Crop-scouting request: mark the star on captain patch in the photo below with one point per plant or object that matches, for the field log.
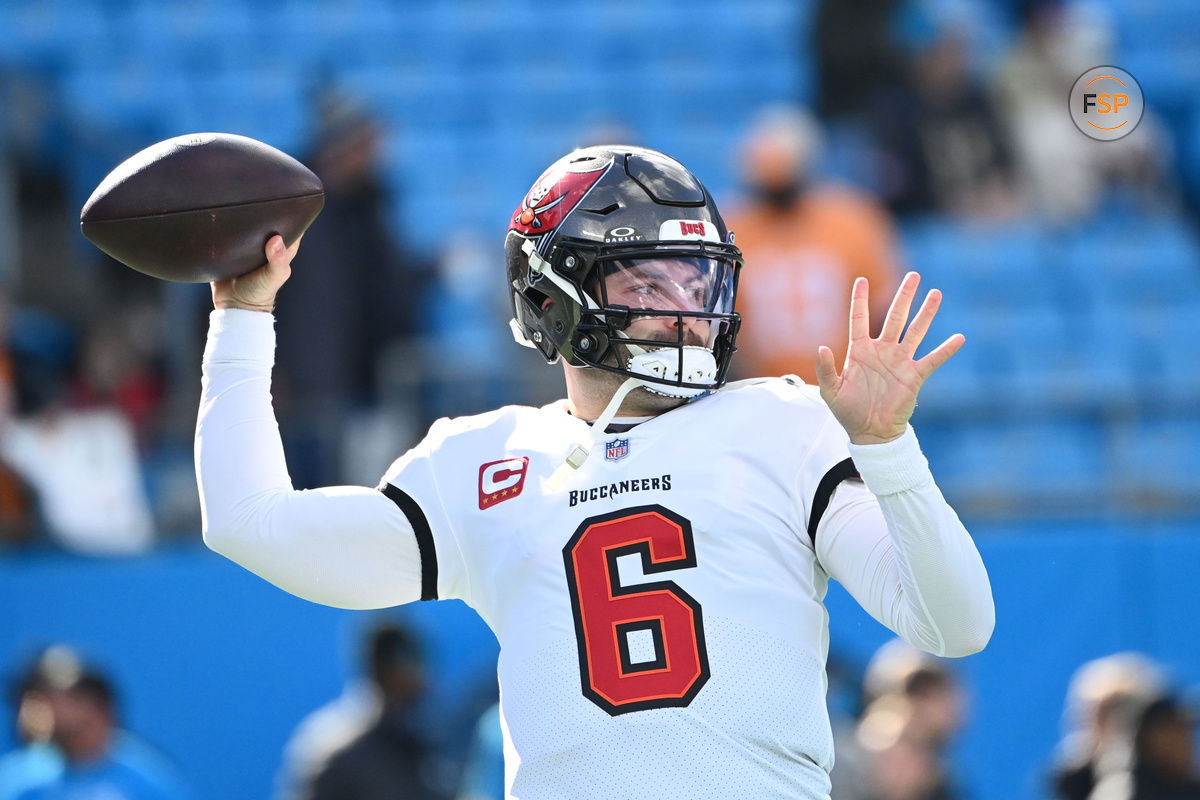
(616, 449)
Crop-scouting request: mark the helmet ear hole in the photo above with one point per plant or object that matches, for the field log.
(535, 299)
(590, 344)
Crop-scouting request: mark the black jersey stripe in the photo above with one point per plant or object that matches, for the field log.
(843, 470)
(416, 517)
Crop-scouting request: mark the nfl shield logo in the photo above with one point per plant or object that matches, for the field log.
(616, 449)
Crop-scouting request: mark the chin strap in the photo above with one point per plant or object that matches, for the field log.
(579, 453)
(699, 366)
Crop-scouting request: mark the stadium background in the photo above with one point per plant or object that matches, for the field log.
(1067, 432)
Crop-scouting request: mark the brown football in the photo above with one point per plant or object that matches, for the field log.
(201, 207)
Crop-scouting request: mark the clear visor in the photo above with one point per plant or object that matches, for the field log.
(688, 284)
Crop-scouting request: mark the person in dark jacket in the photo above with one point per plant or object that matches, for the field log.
(389, 760)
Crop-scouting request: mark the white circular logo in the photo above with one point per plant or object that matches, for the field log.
(622, 234)
(1106, 103)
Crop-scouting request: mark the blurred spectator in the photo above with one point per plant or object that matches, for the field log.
(47, 271)
(10, 226)
(17, 513)
(120, 368)
(1063, 174)
(927, 682)
(901, 766)
(857, 61)
(483, 775)
(354, 275)
(323, 733)
(389, 760)
(98, 759)
(35, 761)
(467, 361)
(1103, 700)
(82, 464)
(805, 242)
(1164, 762)
(366, 744)
(942, 146)
(915, 708)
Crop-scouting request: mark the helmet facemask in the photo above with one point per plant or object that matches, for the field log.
(662, 313)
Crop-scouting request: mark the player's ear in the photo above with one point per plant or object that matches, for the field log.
(549, 301)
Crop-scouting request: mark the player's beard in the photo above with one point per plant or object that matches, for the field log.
(642, 401)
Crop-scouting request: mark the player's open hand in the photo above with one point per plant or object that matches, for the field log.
(255, 291)
(876, 393)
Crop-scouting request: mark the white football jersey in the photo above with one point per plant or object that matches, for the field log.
(660, 613)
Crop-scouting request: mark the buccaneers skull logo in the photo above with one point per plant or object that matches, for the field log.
(554, 195)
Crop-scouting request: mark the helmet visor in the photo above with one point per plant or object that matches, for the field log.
(669, 283)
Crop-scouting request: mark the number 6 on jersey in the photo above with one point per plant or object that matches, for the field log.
(640, 646)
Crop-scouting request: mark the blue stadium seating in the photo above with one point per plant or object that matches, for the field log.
(1066, 330)
(1158, 461)
(1018, 467)
(1144, 261)
(42, 35)
(1164, 339)
(993, 266)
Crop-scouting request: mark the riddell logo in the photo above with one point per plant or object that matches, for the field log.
(501, 480)
(691, 228)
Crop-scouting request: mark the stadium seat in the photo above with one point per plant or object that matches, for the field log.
(1139, 261)
(1159, 339)
(42, 35)
(267, 103)
(1014, 466)
(1158, 460)
(984, 266)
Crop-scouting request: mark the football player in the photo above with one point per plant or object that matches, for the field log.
(652, 551)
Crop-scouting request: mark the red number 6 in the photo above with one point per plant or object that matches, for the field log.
(609, 617)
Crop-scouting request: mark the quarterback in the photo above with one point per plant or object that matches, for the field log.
(652, 551)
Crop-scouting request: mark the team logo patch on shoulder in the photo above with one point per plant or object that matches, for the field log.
(501, 480)
(616, 449)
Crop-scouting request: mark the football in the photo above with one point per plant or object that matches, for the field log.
(201, 207)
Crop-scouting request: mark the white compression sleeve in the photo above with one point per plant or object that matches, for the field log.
(903, 554)
(345, 546)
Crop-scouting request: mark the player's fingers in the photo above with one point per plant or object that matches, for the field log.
(893, 324)
(279, 260)
(826, 369)
(256, 289)
(920, 324)
(277, 251)
(860, 312)
(274, 248)
(295, 248)
(940, 355)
